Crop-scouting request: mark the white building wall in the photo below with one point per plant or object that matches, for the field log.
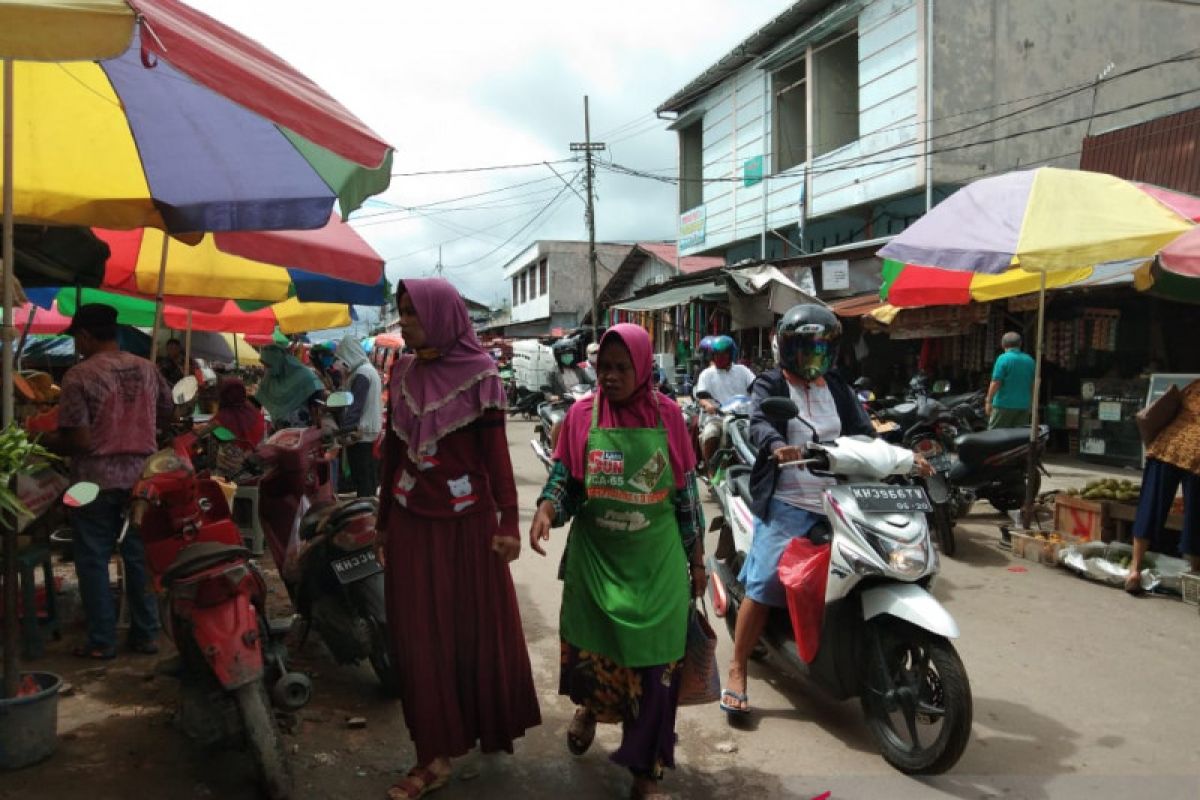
(737, 127)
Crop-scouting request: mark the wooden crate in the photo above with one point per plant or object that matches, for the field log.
(1083, 519)
(1036, 546)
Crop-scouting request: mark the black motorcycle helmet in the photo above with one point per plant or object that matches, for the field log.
(566, 352)
(807, 339)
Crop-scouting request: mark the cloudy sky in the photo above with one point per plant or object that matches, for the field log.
(454, 85)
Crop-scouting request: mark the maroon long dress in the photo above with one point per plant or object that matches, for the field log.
(452, 609)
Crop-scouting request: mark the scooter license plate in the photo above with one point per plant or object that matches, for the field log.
(356, 567)
(882, 499)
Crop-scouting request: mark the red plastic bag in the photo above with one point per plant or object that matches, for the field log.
(804, 571)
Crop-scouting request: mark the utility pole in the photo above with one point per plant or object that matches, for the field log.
(587, 146)
(438, 269)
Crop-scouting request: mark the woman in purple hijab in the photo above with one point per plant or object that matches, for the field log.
(448, 528)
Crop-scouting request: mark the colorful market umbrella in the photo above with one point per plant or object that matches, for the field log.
(180, 123)
(290, 316)
(147, 113)
(1043, 222)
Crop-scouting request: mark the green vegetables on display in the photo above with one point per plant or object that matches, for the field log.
(16, 450)
(1124, 491)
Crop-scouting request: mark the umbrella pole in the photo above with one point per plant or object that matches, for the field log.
(1032, 465)
(236, 363)
(158, 300)
(187, 342)
(8, 525)
(33, 309)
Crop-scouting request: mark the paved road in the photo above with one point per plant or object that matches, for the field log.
(1080, 692)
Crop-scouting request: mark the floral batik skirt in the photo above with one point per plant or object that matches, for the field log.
(643, 699)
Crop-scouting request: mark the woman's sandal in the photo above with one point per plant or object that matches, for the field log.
(647, 790)
(581, 731)
(419, 782)
(94, 653)
(732, 710)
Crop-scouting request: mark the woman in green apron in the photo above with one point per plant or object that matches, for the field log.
(624, 469)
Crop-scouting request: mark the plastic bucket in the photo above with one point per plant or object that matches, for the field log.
(29, 724)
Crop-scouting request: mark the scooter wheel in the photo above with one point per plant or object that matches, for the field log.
(291, 692)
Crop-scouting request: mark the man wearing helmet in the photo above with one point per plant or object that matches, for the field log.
(721, 381)
(569, 372)
(787, 503)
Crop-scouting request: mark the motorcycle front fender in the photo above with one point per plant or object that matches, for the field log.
(911, 603)
(938, 488)
(227, 636)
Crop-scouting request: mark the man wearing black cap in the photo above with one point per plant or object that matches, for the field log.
(110, 407)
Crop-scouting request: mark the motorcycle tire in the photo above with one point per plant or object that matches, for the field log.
(1012, 496)
(263, 740)
(369, 597)
(915, 678)
(943, 529)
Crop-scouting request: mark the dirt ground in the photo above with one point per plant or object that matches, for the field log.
(1080, 692)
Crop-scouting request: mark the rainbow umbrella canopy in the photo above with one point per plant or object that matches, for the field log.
(1022, 232)
(1010, 235)
(289, 316)
(179, 123)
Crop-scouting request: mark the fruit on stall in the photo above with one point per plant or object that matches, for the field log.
(1123, 491)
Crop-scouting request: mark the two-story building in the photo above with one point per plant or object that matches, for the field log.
(551, 284)
(837, 124)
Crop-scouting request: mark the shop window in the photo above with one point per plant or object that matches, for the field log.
(835, 93)
(790, 115)
(691, 166)
(543, 277)
(524, 279)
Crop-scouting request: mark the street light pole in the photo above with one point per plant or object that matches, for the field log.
(587, 147)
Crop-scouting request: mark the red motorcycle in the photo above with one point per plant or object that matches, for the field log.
(213, 602)
(324, 547)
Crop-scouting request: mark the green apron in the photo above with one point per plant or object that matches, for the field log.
(625, 586)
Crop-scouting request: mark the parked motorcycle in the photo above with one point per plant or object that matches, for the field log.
(992, 466)
(324, 547)
(214, 607)
(883, 638)
(525, 402)
(549, 414)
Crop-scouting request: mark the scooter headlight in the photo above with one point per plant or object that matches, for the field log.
(906, 558)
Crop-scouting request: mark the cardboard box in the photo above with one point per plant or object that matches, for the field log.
(1039, 547)
(1082, 519)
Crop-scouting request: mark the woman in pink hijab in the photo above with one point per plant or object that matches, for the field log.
(448, 529)
(624, 469)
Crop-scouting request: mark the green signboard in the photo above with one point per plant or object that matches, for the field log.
(752, 171)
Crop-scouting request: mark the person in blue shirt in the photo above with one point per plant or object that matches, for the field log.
(1011, 392)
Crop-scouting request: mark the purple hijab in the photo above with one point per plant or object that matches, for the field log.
(643, 409)
(452, 381)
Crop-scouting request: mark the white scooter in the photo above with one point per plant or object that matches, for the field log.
(883, 637)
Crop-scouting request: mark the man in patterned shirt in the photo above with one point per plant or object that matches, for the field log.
(110, 407)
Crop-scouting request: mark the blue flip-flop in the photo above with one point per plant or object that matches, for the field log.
(734, 710)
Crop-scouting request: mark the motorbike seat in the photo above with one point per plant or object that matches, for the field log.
(975, 448)
(351, 509)
(200, 556)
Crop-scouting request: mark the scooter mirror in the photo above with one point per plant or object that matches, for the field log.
(81, 494)
(185, 390)
(339, 400)
(222, 434)
(779, 409)
(941, 387)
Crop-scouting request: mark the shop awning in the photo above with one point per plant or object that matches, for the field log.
(673, 297)
(854, 307)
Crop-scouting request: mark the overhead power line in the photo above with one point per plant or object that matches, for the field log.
(490, 168)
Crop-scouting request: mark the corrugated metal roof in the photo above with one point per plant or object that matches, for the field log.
(688, 264)
(752, 47)
(1163, 151)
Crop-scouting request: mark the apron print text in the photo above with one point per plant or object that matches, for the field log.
(606, 462)
(623, 520)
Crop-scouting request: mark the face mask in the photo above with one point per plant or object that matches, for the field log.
(568, 360)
